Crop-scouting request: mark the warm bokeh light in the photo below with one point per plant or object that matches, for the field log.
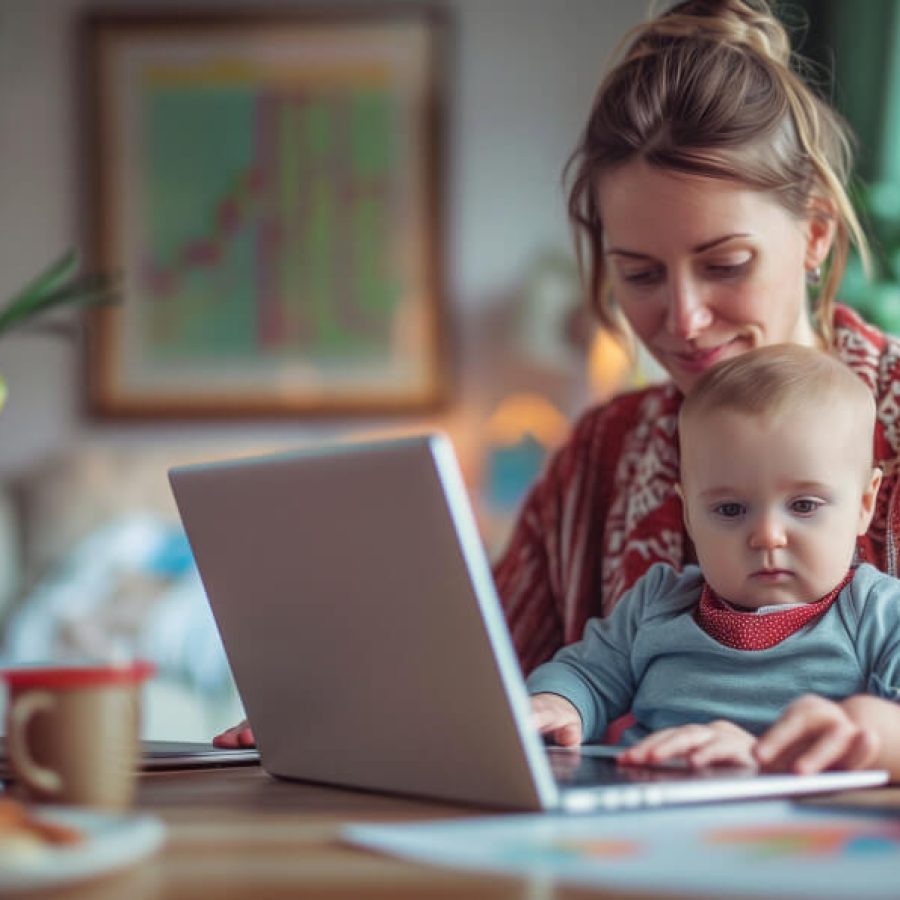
(520, 414)
(608, 364)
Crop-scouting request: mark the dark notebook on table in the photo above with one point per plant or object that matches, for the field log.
(158, 755)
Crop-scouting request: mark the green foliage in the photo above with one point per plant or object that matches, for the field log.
(57, 286)
(877, 298)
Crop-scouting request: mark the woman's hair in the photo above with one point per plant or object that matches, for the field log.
(774, 380)
(710, 88)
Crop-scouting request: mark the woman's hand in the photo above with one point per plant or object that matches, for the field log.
(814, 734)
(557, 718)
(715, 743)
(238, 736)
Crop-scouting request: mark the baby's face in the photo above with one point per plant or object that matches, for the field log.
(774, 505)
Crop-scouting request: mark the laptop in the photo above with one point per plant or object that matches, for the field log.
(358, 612)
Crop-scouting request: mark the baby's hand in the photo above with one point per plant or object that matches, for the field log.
(555, 717)
(239, 735)
(715, 743)
(813, 734)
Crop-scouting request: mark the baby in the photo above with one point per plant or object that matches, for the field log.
(778, 649)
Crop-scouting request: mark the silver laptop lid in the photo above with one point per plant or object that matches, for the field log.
(358, 612)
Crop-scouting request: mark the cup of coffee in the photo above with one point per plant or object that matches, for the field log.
(73, 731)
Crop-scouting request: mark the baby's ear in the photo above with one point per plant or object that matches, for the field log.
(867, 505)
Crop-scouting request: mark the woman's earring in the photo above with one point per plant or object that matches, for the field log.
(814, 276)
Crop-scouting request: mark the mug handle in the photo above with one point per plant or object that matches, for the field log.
(38, 778)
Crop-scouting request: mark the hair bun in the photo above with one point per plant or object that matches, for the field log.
(710, 89)
(749, 24)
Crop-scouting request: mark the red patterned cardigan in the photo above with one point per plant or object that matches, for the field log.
(605, 508)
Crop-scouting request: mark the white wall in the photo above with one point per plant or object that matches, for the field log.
(523, 75)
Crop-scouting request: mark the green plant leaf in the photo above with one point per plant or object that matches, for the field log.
(47, 280)
(55, 287)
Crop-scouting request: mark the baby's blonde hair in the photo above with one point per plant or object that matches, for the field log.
(775, 379)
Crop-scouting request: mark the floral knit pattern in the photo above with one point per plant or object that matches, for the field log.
(605, 508)
(645, 521)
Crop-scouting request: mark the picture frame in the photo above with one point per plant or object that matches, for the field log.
(267, 190)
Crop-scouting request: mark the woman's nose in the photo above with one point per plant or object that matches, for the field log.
(767, 533)
(688, 313)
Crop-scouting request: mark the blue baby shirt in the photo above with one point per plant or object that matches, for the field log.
(650, 656)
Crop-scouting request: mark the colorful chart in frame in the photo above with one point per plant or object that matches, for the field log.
(268, 211)
(767, 848)
(269, 195)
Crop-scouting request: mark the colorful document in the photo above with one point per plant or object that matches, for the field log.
(768, 847)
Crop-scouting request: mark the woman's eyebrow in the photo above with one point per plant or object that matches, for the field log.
(708, 245)
(631, 254)
(700, 248)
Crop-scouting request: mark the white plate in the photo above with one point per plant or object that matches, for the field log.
(111, 841)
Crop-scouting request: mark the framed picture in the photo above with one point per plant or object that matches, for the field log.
(267, 190)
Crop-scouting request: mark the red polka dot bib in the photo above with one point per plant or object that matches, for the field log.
(757, 631)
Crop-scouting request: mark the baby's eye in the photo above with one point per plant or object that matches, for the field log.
(729, 510)
(805, 506)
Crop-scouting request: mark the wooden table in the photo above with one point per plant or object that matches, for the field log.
(237, 833)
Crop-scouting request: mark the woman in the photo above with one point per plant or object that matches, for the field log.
(707, 193)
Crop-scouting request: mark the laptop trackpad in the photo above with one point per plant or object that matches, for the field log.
(596, 765)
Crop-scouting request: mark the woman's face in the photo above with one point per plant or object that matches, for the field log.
(704, 269)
